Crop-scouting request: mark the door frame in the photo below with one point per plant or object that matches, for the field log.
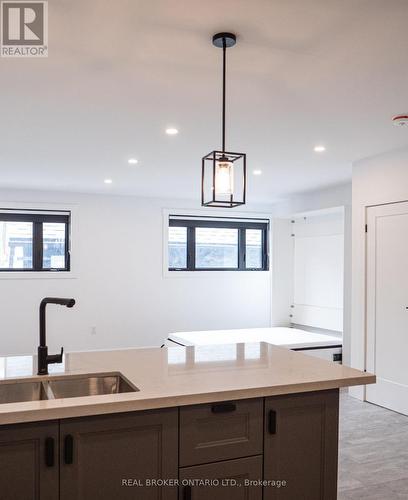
(371, 216)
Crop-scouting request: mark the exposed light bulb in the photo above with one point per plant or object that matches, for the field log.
(319, 149)
(224, 177)
(108, 181)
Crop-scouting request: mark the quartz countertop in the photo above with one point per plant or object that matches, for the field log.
(178, 376)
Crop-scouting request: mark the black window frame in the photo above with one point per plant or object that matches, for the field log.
(241, 225)
(37, 218)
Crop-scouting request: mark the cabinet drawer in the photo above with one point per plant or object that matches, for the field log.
(220, 431)
(222, 480)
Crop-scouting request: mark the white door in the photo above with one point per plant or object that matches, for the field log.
(387, 305)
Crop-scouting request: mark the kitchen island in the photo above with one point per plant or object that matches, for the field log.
(226, 421)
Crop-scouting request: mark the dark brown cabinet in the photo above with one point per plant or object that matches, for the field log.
(233, 479)
(220, 431)
(29, 461)
(276, 448)
(111, 457)
(301, 436)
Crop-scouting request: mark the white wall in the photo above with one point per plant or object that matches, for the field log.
(377, 180)
(119, 283)
(311, 201)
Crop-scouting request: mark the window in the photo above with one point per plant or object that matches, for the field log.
(178, 247)
(216, 248)
(205, 244)
(34, 241)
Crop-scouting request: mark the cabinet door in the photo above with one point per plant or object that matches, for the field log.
(223, 480)
(301, 436)
(29, 461)
(113, 457)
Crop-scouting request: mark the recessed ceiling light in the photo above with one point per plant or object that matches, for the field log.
(319, 149)
(132, 161)
(171, 131)
(108, 181)
(257, 172)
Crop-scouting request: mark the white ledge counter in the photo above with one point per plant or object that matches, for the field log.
(177, 376)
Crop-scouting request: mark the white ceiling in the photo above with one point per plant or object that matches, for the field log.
(303, 72)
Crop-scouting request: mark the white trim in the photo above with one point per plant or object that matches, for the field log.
(382, 392)
(33, 211)
(166, 212)
(214, 217)
(50, 207)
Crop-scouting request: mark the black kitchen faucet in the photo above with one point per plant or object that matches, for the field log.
(44, 359)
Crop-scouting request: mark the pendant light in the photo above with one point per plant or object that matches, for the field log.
(223, 176)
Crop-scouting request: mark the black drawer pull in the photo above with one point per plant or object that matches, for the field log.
(49, 452)
(68, 449)
(272, 422)
(223, 407)
(187, 493)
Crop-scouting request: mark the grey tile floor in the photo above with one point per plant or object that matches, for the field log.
(373, 454)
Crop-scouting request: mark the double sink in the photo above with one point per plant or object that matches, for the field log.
(69, 386)
(64, 386)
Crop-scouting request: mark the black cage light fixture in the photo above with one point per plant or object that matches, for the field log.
(223, 177)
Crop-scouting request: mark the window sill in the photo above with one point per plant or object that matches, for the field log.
(213, 274)
(29, 275)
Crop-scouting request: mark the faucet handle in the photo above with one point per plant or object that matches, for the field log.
(55, 358)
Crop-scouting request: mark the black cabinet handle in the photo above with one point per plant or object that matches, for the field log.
(187, 493)
(68, 449)
(223, 407)
(272, 422)
(49, 452)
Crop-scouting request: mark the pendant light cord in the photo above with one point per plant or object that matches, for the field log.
(224, 64)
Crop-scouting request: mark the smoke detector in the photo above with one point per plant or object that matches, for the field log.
(400, 121)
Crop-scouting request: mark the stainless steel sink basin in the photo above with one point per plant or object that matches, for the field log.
(90, 385)
(69, 386)
(16, 392)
